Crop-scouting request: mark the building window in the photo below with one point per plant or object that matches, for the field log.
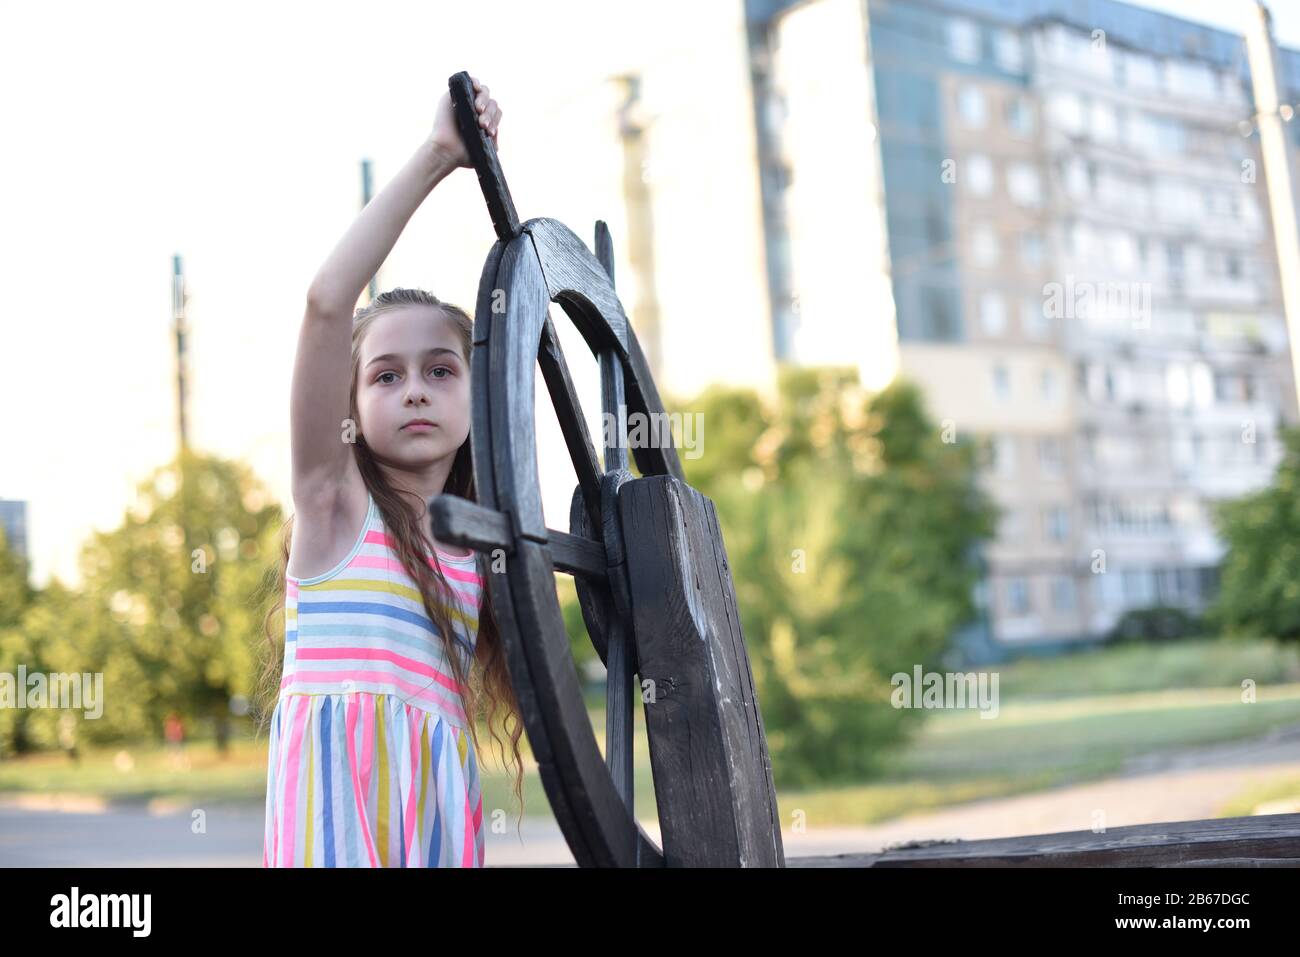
(1001, 382)
(1033, 318)
(979, 174)
(1017, 596)
(964, 40)
(1031, 249)
(1190, 78)
(1178, 386)
(1019, 116)
(1139, 586)
(1062, 593)
(993, 313)
(1047, 382)
(937, 308)
(1074, 177)
(1009, 525)
(1010, 54)
(1141, 72)
(1051, 455)
(1065, 111)
(1123, 251)
(1056, 523)
(971, 106)
(1004, 454)
(1104, 126)
(1202, 385)
(985, 249)
(1023, 184)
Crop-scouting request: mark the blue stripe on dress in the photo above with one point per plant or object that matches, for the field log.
(435, 844)
(372, 608)
(326, 714)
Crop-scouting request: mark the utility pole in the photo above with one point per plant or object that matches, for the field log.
(367, 191)
(633, 123)
(180, 329)
(1271, 112)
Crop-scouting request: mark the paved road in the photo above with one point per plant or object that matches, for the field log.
(1183, 785)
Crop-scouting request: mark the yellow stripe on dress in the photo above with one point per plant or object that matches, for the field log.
(383, 778)
(425, 759)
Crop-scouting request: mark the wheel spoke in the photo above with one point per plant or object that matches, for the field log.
(458, 521)
(619, 677)
(568, 410)
(612, 404)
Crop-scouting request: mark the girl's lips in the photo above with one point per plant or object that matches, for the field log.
(418, 426)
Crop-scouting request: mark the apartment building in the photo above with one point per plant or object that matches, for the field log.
(1053, 216)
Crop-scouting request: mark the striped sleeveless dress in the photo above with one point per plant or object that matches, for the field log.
(370, 763)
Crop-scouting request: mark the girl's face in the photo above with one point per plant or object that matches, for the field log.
(411, 367)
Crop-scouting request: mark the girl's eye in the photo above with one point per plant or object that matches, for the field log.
(380, 378)
(441, 369)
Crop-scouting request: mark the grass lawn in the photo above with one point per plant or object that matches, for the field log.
(1061, 720)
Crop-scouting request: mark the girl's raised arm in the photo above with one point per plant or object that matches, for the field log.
(322, 466)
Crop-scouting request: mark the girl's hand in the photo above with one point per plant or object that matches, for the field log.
(446, 138)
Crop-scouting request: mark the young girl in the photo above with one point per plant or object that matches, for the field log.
(373, 743)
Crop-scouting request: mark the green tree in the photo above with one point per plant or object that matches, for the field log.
(182, 580)
(63, 631)
(1259, 590)
(851, 527)
(16, 598)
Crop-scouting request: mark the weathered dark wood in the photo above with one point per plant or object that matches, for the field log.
(619, 666)
(517, 663)
(511, 386)
(713, 778)
(593, 596)
(643, 397)
(597, 824)
(1266, 840)
(605, 250)
(579, 283)
(459, 521)
(483, 156)
(531, 265)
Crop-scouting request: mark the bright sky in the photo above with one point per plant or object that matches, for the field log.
(232, 134)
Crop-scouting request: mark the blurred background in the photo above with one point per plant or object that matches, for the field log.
(986, 309)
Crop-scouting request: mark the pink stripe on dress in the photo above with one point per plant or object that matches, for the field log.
(379, 654)
(455, 712)
(351, 706)
(290, 822)
(417, 780)
(380, 538)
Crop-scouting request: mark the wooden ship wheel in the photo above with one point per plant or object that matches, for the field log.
(646, 554)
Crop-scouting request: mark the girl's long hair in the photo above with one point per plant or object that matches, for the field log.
(493, 680)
